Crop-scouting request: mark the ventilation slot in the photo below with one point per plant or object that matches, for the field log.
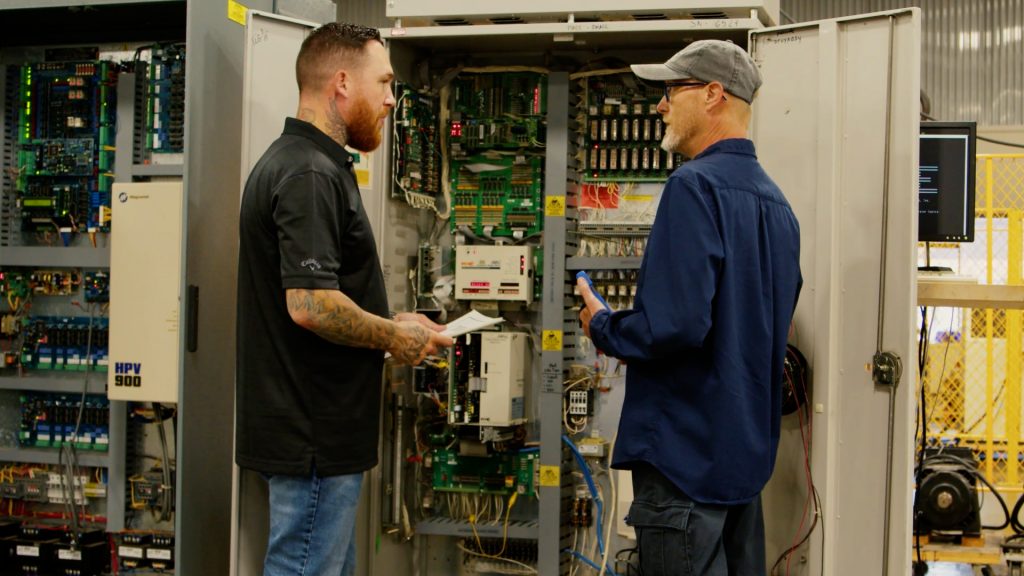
(650, 17)
(507, 20)
(451, 22)
(708, 15)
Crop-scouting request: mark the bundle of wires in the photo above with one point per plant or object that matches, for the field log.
(67, 459)
(812, 491)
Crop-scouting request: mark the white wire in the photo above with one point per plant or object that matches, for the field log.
(611, 513)
(531, 569)
(442, 120)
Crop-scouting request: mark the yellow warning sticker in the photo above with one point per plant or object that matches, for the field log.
(236, 12)
(550, 476)
(554, 206)
(551, 340)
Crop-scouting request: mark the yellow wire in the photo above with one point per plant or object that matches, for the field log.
(504, 538)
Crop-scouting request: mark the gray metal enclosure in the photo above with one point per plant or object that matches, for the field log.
(821, 127)
(836, 125)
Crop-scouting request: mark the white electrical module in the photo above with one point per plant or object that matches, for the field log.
(504, 364)
(494, 273)
(145, 292)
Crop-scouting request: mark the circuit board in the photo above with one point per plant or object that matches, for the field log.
(165, 106)
(49, 420)
(498, 195)
(622, 131)
(497, 135)
(65, 343)
(500, 473)
(417, 153)
(65, 154)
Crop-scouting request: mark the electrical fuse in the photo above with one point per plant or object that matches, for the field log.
(592, 110)
(604, 159)
(656, 159)
(593, 158)
(614, 164)
(624, 158)
(623, 109)
(652, 109)
(638, 109)
(615, 130)
(646, 161)
(647, 129)
(607, 110)
(669, 161)
(604, 130)
(593, 130)
(625, 130)
(634, 163)
(636, 129)
(657, 130)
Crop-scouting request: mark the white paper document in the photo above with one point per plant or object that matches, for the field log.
(470, 322)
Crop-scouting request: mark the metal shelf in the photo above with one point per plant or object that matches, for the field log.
(61, 382)
(158, 169)
(594, 263)
(528, 530)
(52, 456)
(56, 256)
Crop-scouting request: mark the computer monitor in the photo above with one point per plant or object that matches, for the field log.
(946, 182)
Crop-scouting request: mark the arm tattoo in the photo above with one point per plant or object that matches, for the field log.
(336, 318)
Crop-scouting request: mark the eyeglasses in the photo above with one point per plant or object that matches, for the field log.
(686, 84)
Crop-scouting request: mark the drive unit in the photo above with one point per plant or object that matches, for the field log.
(145, 292)
(488, 379)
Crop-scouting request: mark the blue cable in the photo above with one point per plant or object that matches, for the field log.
(593, 489)
(589, 562)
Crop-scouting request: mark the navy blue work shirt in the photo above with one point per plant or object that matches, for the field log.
(706, 340)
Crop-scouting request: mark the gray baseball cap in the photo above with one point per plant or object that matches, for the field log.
(708, 61)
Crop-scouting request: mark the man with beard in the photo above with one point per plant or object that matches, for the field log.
(313, 321)
(706, 340)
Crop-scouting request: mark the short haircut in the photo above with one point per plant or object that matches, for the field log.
(328, 48)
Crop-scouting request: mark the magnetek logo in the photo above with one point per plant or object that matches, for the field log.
(128, 374)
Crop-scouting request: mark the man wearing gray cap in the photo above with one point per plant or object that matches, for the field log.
(706, 340)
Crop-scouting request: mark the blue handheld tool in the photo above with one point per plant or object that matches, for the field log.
(585, 276)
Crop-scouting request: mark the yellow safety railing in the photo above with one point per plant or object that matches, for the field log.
(973, 372)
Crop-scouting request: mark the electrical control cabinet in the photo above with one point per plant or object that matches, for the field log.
(486, 272)
(72, 126)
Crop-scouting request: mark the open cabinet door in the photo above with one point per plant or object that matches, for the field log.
(269, 95)
(836, 126)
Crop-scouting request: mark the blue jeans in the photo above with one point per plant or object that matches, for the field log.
(679, 537)
(312, 525)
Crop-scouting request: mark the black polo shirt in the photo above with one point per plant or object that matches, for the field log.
(301, 401)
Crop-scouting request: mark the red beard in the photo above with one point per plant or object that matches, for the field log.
(363, 132)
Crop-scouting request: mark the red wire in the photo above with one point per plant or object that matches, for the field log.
(807, 470)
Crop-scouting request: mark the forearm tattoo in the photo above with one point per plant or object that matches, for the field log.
(336, 318)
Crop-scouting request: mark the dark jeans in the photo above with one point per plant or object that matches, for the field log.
(680, 537)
